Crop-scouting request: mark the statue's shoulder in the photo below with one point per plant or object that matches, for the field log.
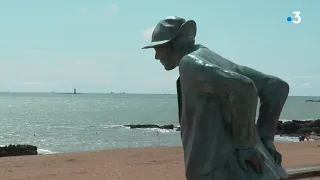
(192, 60)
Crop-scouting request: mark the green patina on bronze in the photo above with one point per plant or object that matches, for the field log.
(217, 102)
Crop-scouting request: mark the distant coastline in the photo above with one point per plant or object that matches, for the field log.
(68, 93)
(312, 100)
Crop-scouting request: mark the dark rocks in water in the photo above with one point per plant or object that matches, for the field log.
(170, 126)
(310, 100)
(298, 127)
(301, 138)
(18, 150)
(135, 126)
(294, 127)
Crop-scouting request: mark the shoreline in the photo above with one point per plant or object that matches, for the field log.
(283, 139)
(156, 163)
(170, 146)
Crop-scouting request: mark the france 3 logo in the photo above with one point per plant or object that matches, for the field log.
(296, 19)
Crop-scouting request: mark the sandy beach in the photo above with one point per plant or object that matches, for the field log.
(163, 163)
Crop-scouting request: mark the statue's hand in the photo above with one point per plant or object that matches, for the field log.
(250, 159)
(273, 151)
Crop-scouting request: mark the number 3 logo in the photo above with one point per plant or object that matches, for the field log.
(297, 18)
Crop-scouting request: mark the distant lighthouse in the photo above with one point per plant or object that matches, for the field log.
(74, 91)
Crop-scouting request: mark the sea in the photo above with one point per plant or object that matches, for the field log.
(58, 123)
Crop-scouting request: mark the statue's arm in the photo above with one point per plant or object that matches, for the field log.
(273, 93)
(215, 82)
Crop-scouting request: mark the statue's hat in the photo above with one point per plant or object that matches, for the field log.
(169, 28)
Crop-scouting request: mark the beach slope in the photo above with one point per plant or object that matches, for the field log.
(163, 163)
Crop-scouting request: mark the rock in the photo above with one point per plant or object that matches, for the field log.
(312, 100)
(18, 150)
(294, 127)
(170, 126)
(301, 138)
(135, 126)
(298, 127)
(288, 127)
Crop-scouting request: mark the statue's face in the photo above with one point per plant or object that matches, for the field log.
(164, 54)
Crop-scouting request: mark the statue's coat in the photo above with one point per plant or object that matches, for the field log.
(217, 105)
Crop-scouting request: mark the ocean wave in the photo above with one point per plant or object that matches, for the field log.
(115, 126)
(159, 130)
(286, 120)
(45, 151)
(278, 138)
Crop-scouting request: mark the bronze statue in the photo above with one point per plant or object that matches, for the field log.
(217, 108)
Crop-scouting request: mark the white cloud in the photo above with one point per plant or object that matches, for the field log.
(306, 85)
(147, 33)
(112, 8)
(84, 11)
(32, 83)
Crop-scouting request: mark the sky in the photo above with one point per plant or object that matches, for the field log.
(95, 46)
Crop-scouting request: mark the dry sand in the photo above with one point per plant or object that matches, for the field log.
(165, 163)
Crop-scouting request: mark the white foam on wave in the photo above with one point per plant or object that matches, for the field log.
(286, 120)
(45, 151)
(160, 130)
(115, 126)
(278, 138)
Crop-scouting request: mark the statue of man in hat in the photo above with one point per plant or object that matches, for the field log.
(217, 102)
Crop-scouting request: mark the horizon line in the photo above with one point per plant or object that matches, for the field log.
(139, 93)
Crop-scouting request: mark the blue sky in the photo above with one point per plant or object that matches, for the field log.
(95, 46)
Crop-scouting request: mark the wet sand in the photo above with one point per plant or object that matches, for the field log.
(163, 163)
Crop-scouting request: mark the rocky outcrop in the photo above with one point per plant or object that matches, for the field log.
(311, 100)
(299, 127)
(294, 127)
(18, 150)
(135, 126)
